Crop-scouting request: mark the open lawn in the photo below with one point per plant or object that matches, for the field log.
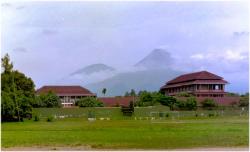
(168, 133)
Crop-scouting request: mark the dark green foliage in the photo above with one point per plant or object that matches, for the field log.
(7, 66)
(89, 102)
(180, 104)
(167, 115)
(18, 93)
(161, 114)
(244, 100)
(168, 101)
(36, 118)
(184, 94)
(131, 93)
(231, 94)
(126, 94)
(104, 90)
(48, 100)
(50, 118)
(145, 99)
(209, 104)
(188, 103)
(210, 115)
(191, 103)
(8, 108)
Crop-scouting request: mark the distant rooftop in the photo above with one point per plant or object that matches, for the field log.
(202, 75)
(69, 90)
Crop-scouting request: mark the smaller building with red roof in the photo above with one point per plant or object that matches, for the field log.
(67, 94)
(199, 84)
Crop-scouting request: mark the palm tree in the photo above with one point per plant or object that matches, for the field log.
(104, 90)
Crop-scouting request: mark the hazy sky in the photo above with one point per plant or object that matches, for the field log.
(49, 40)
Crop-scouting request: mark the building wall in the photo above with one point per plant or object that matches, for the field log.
(69, 101)
(197, 89)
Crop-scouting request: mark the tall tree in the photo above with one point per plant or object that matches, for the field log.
(18, 92)
(132, 93)
(6, 65)
(104, 90)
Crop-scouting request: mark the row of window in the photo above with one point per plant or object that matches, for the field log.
(192, 88)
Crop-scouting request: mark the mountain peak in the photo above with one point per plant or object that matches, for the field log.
(156, 59)
(93, 68)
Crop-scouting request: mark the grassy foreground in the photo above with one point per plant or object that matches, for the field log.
(129, 134)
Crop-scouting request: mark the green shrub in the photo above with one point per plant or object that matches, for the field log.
(36, 118)
(50, 118)
(89, 102)
(145, 99)
(184, 94)
(48, 100)
(244, 100)
(180, 104)
(208, 104)
(168, 101)
(167, 115)
(191, 103)
(161, 114)
(210, 115)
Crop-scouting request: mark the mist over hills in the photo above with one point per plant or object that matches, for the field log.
(150, 73)
(150, 80)
(88, 74)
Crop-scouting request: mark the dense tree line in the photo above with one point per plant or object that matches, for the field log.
(146, 98)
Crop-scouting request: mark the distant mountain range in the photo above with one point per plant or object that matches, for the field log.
(150, 80)
(150, 74)
(93, 68)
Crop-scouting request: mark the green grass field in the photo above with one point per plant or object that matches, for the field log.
(173, 132)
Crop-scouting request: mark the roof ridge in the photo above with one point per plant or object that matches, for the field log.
(200, 75)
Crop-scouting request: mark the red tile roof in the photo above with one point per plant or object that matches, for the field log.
(202, 75)
(114, 101)
(67, 90)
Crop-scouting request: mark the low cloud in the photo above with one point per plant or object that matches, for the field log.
(226, 61)
(226, 55)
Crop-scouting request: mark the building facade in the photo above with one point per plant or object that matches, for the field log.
(199, 84)
(68, 94)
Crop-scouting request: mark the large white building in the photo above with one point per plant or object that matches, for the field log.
(67, 94)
